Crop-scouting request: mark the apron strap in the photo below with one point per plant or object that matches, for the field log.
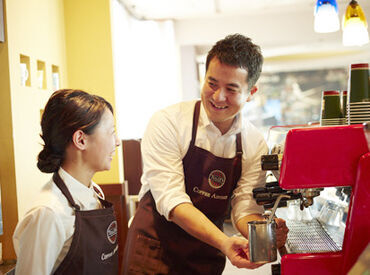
(62, 186)
(239, 150)
(195, 123)
(238, 157)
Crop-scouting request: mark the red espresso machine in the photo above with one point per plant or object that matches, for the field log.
(318, 158)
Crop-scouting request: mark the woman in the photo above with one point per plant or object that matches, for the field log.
(71, 229)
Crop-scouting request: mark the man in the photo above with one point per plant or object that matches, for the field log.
(198, 159)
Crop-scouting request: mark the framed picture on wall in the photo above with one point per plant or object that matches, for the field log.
(2, 36)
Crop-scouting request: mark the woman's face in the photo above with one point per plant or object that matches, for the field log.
(101, 145)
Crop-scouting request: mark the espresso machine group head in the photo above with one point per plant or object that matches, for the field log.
(272, 162)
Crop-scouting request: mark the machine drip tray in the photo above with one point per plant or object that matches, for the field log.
(310, 236)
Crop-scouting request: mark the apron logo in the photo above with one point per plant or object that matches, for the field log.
(112, 232)
(216, 179)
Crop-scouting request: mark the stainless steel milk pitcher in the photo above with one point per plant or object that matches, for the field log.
(262, 241)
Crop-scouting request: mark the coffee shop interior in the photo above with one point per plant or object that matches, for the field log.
(144, 55)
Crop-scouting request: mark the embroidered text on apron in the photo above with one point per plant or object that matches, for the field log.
(156, 246)
(94, 247)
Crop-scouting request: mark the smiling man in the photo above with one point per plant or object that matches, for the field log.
(200, 158)
(224, 93)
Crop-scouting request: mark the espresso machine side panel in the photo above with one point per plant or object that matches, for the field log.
(357, 234)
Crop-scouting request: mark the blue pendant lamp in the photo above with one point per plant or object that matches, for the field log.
(354, 26)
(326, 16)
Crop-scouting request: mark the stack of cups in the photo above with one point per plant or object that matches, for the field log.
(344, 107)
(358, 105)
(331, 109)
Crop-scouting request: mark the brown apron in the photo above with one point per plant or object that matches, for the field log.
(157, 246)
(94, 243)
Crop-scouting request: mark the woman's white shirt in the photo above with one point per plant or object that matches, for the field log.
(43, 237)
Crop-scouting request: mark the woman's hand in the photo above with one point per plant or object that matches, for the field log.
(236, 250)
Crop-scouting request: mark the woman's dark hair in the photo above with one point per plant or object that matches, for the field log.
(239, 51)
(66, 112)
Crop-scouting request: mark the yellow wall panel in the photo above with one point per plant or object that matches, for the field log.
(7, 166)
(89, 57)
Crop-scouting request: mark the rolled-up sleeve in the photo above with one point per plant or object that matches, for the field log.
(162, 163)
(243, 203)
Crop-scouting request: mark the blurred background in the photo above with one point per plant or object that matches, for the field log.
(171, 40)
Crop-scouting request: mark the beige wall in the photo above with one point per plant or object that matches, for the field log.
(39, 35)
(76, 37)
(34, 29)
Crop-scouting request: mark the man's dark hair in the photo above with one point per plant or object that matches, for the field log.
(239, 51)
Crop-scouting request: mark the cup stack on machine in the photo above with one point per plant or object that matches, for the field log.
(358, 101)
(331, 109)
(351, 106)
(344, 100)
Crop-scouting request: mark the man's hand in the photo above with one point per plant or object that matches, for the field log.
(281, 232)
(236, 250)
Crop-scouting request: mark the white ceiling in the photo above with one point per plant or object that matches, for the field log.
(281, 27)
(186, 9)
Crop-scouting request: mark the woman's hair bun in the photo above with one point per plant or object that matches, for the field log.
(48, 162)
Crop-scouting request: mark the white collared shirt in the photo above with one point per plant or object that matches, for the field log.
(43, 237)
(165, 144)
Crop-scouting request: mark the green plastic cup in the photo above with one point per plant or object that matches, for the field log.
(358, 83)
(331, 105)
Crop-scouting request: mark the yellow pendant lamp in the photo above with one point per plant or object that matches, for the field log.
(354, 26)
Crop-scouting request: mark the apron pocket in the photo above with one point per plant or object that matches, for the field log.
(147, 258)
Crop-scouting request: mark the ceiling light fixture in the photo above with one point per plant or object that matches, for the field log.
(326, 16)
(354, 26)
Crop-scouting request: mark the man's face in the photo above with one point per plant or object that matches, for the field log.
(224, 93)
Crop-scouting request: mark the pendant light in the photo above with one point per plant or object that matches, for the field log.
(354, 26)
(326, 16)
